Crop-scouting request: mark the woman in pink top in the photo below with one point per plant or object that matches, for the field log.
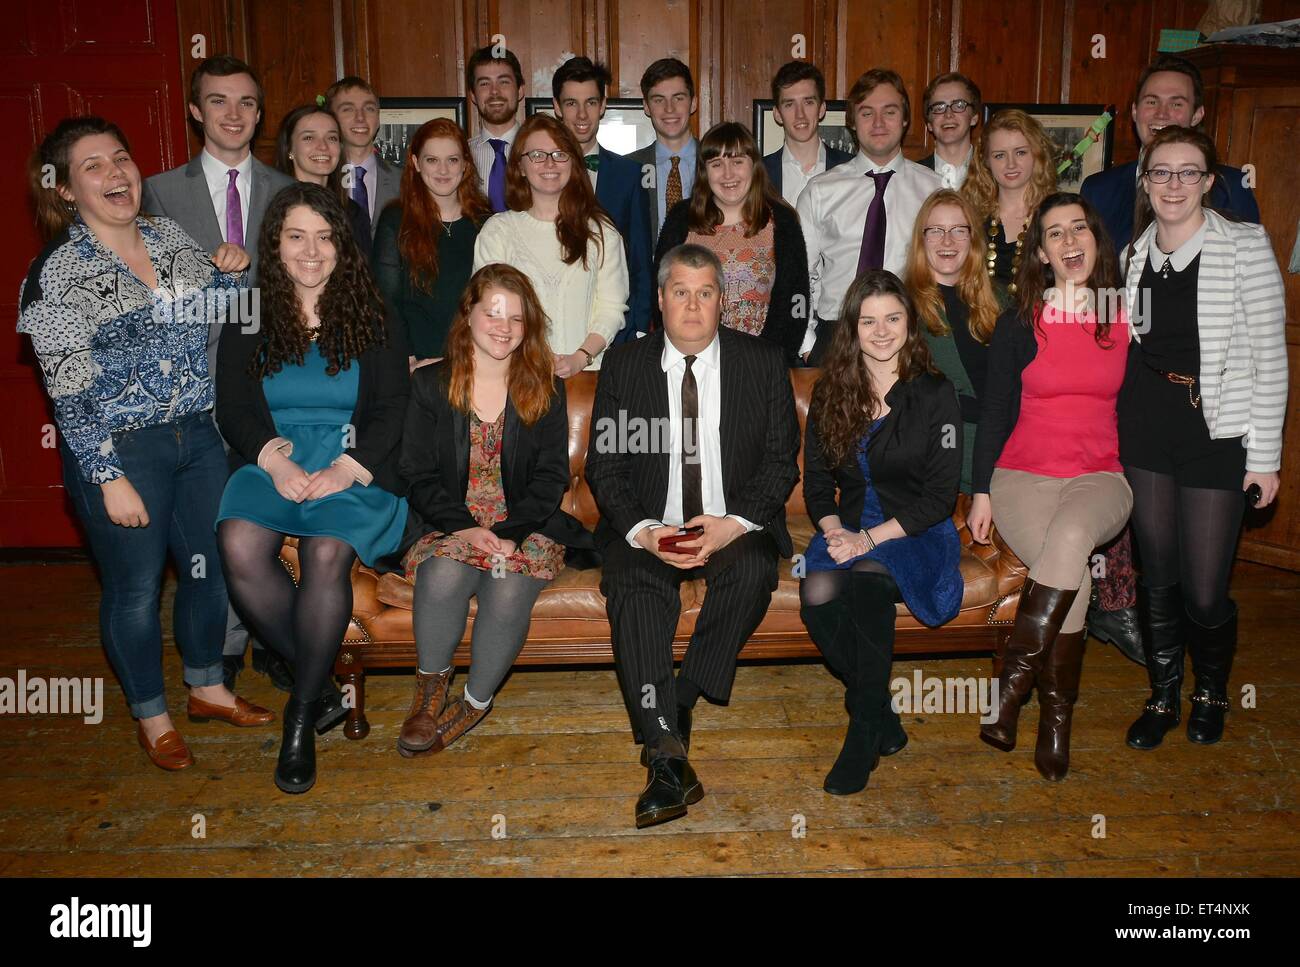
(1046, 464)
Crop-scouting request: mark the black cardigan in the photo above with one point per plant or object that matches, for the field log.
(534, 465)
(1012, 348)
(915, 460)
(245, 419)
(787, 305)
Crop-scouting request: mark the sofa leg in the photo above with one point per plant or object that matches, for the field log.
(356, 727)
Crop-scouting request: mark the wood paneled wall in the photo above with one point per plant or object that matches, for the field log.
(1033, 50)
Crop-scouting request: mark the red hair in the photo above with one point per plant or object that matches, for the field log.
(417, 239)
(581, 218)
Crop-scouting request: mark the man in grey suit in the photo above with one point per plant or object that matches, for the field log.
(370, 180)
(221, 196)
(667, 165)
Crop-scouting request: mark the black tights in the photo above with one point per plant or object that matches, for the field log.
(305, 624)
(1187, 536)
(822, 587)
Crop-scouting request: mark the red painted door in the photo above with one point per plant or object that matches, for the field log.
(60, 58)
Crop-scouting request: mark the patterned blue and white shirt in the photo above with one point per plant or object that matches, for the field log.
(117, 355)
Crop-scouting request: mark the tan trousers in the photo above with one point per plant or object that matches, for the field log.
(1053, 524)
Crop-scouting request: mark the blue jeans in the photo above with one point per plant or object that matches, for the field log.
(179, 469)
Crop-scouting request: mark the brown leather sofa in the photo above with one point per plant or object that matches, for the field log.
(569, 625)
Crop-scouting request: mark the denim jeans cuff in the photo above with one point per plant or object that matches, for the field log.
(150, 707)
(198, 677)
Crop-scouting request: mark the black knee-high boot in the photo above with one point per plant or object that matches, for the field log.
(1161, 610)
(1212, 650)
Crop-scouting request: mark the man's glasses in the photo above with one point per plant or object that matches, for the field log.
(958, 233)
(538, 157)
(940, 108)
(1162, 176)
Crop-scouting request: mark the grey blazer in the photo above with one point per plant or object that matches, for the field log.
(390, 186)
(182, 195)
(646, 156)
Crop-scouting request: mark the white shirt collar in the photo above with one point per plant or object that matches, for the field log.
(508, 137)
(1182, 256)
(945, 169)
(215, 169)
(672, 355)
(788, 159)
(865, 164)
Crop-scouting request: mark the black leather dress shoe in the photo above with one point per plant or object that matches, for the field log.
(231, 666)
(270, 664)
(671, 785)
(1120, 628)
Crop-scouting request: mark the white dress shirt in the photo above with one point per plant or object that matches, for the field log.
(953, 176)
(484, 155)
(833, 213)
(215, 172)
(708, 384)
(793, 177)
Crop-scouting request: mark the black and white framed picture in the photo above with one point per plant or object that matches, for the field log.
(1067, 125)
(624, 128)
(771, 136)
(401, 117)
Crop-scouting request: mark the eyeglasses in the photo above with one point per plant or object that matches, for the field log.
(940, 108)
(538, 157)
(1161, 176)
(958, 233)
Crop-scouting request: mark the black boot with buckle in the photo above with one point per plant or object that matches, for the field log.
(1163, 637)
(1212, 650)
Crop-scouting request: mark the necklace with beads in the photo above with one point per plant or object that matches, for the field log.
(993, 251)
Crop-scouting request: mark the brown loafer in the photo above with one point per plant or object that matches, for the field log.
(169, 752)
(421, 725)
(459, 718)
(244, 714)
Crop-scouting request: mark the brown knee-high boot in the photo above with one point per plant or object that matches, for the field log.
(1039, 618)
(1058, 690)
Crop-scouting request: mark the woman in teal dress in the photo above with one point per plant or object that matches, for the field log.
(312, 401)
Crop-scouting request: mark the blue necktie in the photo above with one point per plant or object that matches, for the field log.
(497, 177)
(360, 195)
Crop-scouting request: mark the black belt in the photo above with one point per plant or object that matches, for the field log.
(1180, 379)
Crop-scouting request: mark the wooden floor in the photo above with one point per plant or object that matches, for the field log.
(546, 785)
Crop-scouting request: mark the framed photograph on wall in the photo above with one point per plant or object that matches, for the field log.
(1066, 125)
(771, 135)
(401, 117)
(624, 128)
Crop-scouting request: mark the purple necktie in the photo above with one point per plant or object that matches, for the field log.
(872, 255)
(497, 177)
(361, 195)
(234, 211)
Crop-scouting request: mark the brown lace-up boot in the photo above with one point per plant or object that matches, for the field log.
(421, 723)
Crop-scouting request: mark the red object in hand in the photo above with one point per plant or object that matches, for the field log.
(683, 535)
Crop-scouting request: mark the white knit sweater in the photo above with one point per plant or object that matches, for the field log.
(577, 301)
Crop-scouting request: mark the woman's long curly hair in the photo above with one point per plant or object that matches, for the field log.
(731, 139)
(532, 365)
(973, 285)
(981, 187)
(350, 308)
(422, 225)
(845, 400)
(581, 218)
(1036, 277)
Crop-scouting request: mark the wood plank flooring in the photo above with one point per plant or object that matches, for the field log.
(546, 784)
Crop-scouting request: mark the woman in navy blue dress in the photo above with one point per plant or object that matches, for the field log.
(885, 431)
(312, 402)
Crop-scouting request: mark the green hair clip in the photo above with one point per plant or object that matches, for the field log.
(320, 100)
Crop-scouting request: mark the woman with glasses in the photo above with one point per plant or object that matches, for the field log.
(952, 109)
(557, 234)
(1200, 421)
(955, 303)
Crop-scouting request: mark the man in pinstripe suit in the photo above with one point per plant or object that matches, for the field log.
(694, 426)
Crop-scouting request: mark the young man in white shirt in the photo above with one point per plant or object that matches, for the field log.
(495, 82)
(952, 106)
(371, 181)
(860, 215)
(799, 90)
(669, 97)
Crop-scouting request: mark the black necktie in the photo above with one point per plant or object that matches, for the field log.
(692, 495)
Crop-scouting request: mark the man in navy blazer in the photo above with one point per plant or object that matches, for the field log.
(799, 90)
(1169, 92)
(578, 89)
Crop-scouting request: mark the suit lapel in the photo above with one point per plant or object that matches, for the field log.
(656, 389)
(731, 383)
(198, 200)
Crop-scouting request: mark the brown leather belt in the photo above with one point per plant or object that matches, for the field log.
(1181, 380)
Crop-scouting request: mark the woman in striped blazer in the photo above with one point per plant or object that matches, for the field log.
(1200, 419)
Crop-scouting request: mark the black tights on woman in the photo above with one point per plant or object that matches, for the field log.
(1187, 536)
(305, 624)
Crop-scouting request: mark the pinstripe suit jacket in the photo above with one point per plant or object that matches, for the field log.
(758, 427)
(1241, 316)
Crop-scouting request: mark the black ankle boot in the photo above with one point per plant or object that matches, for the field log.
(1212, 650)
(1163, 647)
(858, 758)
(295, 770)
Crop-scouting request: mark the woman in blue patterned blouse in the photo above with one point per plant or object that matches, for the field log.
(118, 308)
